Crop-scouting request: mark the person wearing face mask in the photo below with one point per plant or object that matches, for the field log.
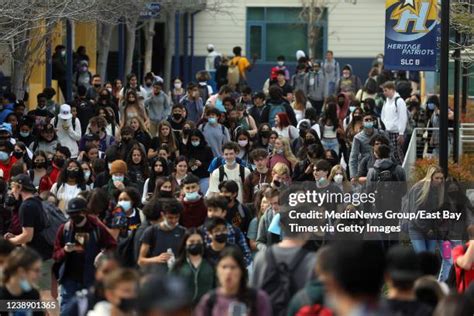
(201, 157)
(21, 273)
(256, 110)
(316, 87)
(193, 103)
(120, 292)
(125, 218)
(176, 118)
(215, 133)
(118, 180)
(361, 146)
(194, 209)
(237, 213)
(77, 244)
(192, 266)
(41, 115)
(69, 183)
(349, 83)
(216, 228)
(47, 140)
(82, 76)
(25, 134)
(61, 154)
(321, 173)
(260, 176)
(338, 176)
(157, 106)
(59, 65)
(279, 67)
(68, 129)
(160, 242)
(264, 237)
(93, 90)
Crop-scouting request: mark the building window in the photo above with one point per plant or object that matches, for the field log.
(272, 32)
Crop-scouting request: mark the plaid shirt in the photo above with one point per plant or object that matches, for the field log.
(234, 237)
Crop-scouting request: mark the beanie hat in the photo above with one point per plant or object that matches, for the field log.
(118, 166)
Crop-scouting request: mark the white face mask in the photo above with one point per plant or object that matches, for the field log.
(380, 60)
(338, 178)
(280, 63)
(177, 85)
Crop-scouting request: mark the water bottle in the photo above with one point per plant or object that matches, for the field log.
(172, 259)
(446, 249)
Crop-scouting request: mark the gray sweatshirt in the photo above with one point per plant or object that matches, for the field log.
(316, 85)
(158, 107)
(216, 136)
(360, 149)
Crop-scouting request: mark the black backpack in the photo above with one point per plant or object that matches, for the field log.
(204, 93)
(53, 217)
(126, 250)
(222, 174)
(278, 281)
(384, 187)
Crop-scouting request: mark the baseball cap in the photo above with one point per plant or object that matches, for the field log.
(210, 47)
(65, 112)
(76, 205)
(6, 127)
(25, 181)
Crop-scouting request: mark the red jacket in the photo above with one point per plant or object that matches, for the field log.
(462, 285)
(54, 174)
(106, 241)
(194, 213)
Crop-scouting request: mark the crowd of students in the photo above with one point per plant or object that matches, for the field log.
(131, 199)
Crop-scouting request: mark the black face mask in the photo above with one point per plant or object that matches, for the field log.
(97, 85)
(40, 165)
(77, 219)
(265, 134)
(59, 162)
(166, 194)
(126, 139)
(72, 174)
(104, 97)
(277, 183)
(177, 116)
(17, 154)
(10, 200)
(127, 305)
(186, 131)
(309, 141)
(221, 238)
(195, 249)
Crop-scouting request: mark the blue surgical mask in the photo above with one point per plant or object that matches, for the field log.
(3, 156)
(220, 105)
(24, 134)
(322, 181)
(212, 120)
(126, 205)
(192, 196)
(352, 108)
(430, 106)
(87, 175)
(25, 286)
(195, 144)
(118, 178)
(368, 124)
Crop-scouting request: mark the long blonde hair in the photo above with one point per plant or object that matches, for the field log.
(425, 184)
(287, 151)
(140, 122)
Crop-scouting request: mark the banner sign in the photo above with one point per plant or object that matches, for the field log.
(411, 32)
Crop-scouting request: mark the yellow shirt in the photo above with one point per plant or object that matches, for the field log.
(241, 62)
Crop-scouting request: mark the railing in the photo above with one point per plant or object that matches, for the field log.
(419, 146)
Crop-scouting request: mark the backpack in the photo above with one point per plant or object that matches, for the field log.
(384, 188)
(233, 74)
(273, 110)
(204, 125)
(126, 250)
(56, 119)
(309, 309)
(408, 128)
(278, 280)
(452, 281)
(222, 174)
(204, 93)
(53, 218)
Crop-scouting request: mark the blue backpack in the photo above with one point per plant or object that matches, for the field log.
(274, 110)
